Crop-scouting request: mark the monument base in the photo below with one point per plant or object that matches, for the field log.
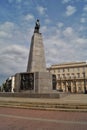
(43, 82)
(37, 82)
(33, 95)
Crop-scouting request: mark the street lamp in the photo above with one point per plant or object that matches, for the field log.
(75, 83)
(65, 84)
(84, 82)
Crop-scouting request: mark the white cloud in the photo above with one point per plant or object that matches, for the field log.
(47, 21)
(68, 31)
(13, 59)
(41, 10)
(70, 10)
(6, 30)
(64, 46)
(7, 26)
(11, 33)
(44, 29)
(65, 1)
(85, 8)
(82, 20)
(10, 1)
(29, 17)
(81, 41)
(5, 35)
(19, 1)
(60, 24)
(14, 47)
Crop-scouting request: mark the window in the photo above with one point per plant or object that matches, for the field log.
(58, 70)
(72, 75)
(73, 69)
(68, 75)
(58, 75)
(68, 69)
(83, 69)
(78, 75)
(63, 70)
(78, 69)
(63, 75)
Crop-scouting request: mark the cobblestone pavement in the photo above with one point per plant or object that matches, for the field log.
(25, 119)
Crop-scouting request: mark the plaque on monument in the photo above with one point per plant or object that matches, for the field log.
(27, 81)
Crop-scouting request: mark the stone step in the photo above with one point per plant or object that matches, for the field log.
(47, 106)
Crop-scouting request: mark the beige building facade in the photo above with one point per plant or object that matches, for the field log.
(71, 77)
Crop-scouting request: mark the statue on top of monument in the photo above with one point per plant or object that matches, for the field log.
(37, 26)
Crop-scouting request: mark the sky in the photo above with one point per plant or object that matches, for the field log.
(63, 24)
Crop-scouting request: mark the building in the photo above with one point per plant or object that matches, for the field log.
(9, 85)
(71, 77)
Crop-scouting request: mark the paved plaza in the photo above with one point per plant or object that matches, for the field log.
(25, 119)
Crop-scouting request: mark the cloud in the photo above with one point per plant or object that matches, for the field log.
(13, 59)
(70, 10)
(19, 1)
(68, 31)
(85, 8)
(11, 33)
(82, 41)
(83, 20)
(64, 46)
(14, 47)
(65, 1)
(5, 35)
(44, 29)
(6, 30)
(7, 26)
(47, 21)
(41, 10)
(60, 24)
(10, 1)
(29, 17)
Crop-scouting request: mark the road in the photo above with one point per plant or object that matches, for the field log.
(25, 119)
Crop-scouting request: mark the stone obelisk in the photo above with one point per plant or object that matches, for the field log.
(37, 64)
(36, 80)
(36, 61)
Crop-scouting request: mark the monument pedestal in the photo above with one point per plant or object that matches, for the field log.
(37, 82)
(43, 82)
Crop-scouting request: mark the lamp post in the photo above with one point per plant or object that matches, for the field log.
(84, 82)
(65, 84)
(75, 83)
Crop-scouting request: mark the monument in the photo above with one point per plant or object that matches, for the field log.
(36, 62)
(36, 79)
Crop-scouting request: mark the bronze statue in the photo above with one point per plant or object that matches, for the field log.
(37, 26)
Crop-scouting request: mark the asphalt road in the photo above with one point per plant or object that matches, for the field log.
(25, 119)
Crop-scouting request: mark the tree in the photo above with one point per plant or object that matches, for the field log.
(4, 87)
